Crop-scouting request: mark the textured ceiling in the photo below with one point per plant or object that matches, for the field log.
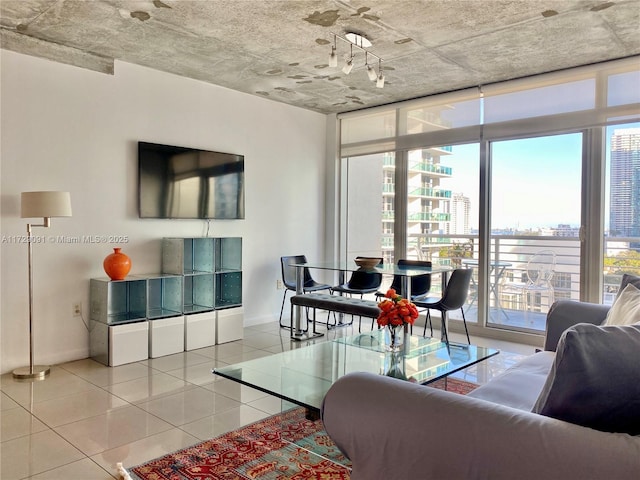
(279, 49)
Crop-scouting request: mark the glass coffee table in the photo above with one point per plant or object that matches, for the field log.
(302, 376)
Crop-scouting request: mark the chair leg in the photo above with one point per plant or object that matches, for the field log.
(284, 297)
(464, 321)
(427, 319)
(445, 334)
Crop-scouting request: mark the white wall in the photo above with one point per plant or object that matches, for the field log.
(65, 128)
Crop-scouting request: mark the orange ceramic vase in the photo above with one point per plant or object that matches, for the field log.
(117, 265)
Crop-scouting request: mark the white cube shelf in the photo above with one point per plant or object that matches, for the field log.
(229, 325)
(199, 330)
(128, 343)
(166, 336)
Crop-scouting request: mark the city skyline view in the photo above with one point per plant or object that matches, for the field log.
(536, 181)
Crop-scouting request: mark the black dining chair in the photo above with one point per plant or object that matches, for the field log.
(420, 284)
(289, 280)
(361, 281)
(454, 296)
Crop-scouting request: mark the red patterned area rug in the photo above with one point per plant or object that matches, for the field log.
(261, 451)
(258, 452)
(454, 385)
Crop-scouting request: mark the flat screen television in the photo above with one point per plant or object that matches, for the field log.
(181, 182)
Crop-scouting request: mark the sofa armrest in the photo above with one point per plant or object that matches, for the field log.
(567, 313)
(391, 428)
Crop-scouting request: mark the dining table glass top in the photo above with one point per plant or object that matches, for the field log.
(388, 269)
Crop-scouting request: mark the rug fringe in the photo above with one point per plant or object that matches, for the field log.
(122, 472)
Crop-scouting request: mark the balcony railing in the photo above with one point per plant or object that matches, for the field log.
(430, 192)
(509, 257)
(429, 217)
(431, 168)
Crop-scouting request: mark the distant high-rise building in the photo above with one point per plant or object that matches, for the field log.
(625, 183)
(460, 212)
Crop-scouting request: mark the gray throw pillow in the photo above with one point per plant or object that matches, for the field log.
(628, 279)
(595, 379)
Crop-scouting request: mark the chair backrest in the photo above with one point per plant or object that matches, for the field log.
(363, 280)
(289, 271)
(455, 294)
(541, 267)
(420, 284)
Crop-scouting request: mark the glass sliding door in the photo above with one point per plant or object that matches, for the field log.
(535, 215)
(442, 211)
(369, 206)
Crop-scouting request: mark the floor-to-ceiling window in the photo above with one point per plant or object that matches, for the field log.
(501, 178)
(622, 206)
(534, 228)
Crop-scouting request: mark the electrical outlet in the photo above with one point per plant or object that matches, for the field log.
(77, 309)
(279, 285)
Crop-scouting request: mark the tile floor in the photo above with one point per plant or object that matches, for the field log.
(85, 417)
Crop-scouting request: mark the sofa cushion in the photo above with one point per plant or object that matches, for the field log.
(595, 379)
(626, 308)
(520, 385)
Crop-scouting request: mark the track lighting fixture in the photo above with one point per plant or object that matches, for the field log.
(360, 42)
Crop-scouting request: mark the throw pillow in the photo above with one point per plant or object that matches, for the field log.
(626, 308)
(626, 280)
(595, 379)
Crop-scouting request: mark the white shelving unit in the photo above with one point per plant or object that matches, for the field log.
(195, 302)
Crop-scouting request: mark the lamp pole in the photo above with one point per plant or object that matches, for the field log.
(35, 372)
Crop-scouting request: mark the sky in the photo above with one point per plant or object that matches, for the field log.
(536, 181)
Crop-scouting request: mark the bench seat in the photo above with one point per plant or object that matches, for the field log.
(338, 304)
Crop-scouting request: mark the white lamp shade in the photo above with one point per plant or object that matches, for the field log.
(45, 204)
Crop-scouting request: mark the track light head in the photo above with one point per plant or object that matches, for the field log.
(380, 81)
(333, 57)
(348, 65)
(372, 73)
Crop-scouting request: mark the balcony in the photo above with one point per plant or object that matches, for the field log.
(509, 256)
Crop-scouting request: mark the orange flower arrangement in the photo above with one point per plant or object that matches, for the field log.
(396, 311)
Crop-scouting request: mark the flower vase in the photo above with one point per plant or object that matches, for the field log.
(394, 365)
(117, 265)
(394, 338)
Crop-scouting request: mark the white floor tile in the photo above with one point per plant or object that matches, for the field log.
(188, 406)
(144, 450)
(149, 387)
(213, 426)
(18, 422)
(72, 408)
(112, 429)
(102, 376)
(37, 453)
(85, 469)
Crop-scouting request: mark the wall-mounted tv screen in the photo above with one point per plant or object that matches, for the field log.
(181, 182)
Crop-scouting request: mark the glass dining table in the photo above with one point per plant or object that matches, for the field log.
(344, 267)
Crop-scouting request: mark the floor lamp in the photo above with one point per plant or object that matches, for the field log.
(34, 205)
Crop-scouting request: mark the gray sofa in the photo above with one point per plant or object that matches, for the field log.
(394, 430)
